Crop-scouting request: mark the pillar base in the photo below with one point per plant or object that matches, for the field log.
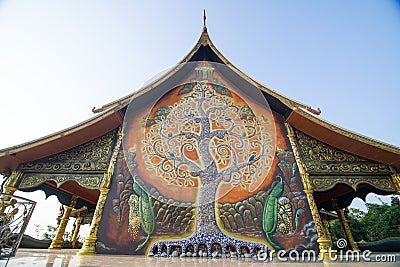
(89, 247)
(325, 249)
(56, 244)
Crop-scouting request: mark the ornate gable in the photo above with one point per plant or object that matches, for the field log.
(84, 164)
(329, 166)
(320, 158)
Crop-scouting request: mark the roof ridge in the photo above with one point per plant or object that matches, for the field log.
(349, 133)
(55, 135)
(203, 40)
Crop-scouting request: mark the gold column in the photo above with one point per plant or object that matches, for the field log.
(327, 230)
(346, 230)
(89, 246)
(10, 187)
(58, 240)
(74, 237)
(12, 181)
(323, 240)
(60, 215)
(396, 181)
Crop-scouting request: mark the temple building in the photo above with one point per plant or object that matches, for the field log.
(204, 161)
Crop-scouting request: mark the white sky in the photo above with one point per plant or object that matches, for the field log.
(58, 59)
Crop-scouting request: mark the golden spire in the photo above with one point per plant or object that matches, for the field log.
(204, 20)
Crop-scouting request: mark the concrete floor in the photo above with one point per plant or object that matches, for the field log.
(69, 258)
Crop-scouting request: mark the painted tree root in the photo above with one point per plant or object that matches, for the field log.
(209, 240)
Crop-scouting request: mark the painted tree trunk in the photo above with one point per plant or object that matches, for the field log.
(206, 221)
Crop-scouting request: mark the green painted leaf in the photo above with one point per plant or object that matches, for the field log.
(246, 113)
(163, 110)
(270, 213)
(221, 89)
(186, 89)
(146, 213)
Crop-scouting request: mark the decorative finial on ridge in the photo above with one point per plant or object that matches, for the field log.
(204, 20)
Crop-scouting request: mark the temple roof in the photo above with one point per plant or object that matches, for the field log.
(60, 141)
(110, 116)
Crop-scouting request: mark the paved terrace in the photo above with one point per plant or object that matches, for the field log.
(69, 258)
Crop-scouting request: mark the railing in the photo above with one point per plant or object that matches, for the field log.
(15, 213)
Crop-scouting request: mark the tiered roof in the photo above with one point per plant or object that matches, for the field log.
(111, 115)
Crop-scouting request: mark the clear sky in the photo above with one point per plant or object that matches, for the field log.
(58, 59)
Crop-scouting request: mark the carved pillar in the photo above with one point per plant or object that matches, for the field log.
(325, 223)
(10, 187)
(396, 181)
(60, 215)
(323, 240)
(89, 246)
(12, 181)
(77, 226)
(346, 227)
(58, 240)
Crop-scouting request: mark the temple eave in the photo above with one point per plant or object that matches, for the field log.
(343, 139)
(60, 141)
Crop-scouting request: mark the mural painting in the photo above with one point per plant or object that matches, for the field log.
(205, 169)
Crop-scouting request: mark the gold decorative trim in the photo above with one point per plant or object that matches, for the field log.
(324, 183)
(327, 229)
(106, 182)
(319, 157)
(89, 181)
(92, 156)
(14, 178)
(84, 164)
(396, 181)
(9, 190)
(291, 136)
(347, 168)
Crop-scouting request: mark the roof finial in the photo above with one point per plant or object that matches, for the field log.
(204, 20)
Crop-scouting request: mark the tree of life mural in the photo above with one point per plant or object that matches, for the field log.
(208, 137)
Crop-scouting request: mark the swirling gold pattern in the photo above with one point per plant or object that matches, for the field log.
(89, 181)
(324, 183)
(92, 156)
(396, 181)
(319, 157)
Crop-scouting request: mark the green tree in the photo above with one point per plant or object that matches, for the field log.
(50, 233)
(379, 222)
(382, 220)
